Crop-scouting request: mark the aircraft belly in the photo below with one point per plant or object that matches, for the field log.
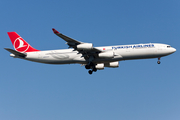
(56, 58)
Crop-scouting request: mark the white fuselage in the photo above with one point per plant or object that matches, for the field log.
(121, 52)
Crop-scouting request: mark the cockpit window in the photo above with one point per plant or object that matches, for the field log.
(168, 46)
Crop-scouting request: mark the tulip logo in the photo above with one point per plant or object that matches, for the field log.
(20, 45)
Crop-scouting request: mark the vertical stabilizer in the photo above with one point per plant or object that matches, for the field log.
(20, 44)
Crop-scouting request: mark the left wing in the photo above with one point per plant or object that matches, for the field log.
(71, 42)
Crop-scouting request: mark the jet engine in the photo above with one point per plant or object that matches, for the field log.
(112, 64)
(85, 46)
(108, 54)
(99, 66)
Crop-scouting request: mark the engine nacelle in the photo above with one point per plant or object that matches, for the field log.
(108, 54)
(112, 64)
(99, 66)
(85, 46)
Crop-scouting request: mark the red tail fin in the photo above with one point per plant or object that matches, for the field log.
(20, 44)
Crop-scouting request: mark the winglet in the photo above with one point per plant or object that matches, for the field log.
(55, 31)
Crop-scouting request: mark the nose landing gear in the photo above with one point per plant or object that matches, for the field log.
(158, 62)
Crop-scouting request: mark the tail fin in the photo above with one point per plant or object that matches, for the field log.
(20, 44)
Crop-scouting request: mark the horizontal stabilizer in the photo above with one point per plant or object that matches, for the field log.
(16, 52)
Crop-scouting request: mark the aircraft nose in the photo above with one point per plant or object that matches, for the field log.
(173, 50)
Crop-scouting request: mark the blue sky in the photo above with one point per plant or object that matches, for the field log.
(138, 90)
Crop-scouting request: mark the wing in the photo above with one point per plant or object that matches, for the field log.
(77, 45)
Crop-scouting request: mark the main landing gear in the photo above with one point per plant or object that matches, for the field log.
(158, 62)
(91, 71)
(92, 67)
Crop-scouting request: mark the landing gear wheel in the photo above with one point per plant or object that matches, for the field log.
(87, 67)
(158, 62)
(94, 69)
(90, 72)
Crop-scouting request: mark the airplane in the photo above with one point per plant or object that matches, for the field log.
(93, 58)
